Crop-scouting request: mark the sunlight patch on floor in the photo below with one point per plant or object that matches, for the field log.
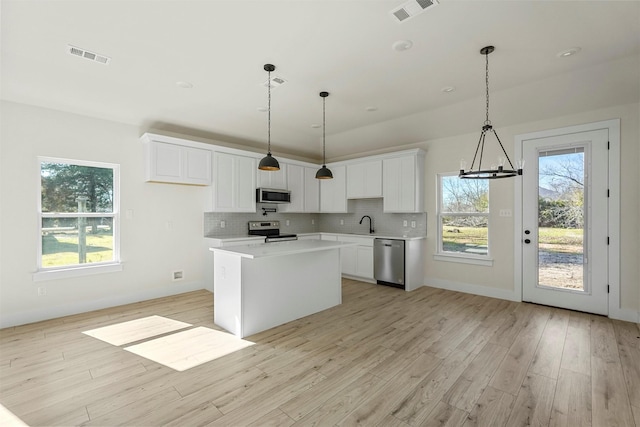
(8, 419)
(136, 330)
(186, 349)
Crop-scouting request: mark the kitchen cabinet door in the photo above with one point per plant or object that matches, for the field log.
(295, 179)
(333, 192)
(364, 261)
(348, 260)
(364, 180)
(177, 164)
(273, 179)
(311, 190)
(234, 183)
(403, 184)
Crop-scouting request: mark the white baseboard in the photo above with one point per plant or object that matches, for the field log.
(469, 288)
(626, 314)
(25, 317)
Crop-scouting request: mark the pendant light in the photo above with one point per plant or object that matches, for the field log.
(324, 172)
(269, 163)
(495, 171)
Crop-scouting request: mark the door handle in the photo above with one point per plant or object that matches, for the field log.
(527, 231)
(527, 241)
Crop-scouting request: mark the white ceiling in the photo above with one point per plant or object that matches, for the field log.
(344, 47)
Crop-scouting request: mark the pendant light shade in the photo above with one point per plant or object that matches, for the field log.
(269, 163)
(324, 172)
(495, 171)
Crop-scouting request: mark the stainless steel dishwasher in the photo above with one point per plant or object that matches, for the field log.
(388, 262)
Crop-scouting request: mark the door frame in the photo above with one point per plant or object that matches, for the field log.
(613, 228)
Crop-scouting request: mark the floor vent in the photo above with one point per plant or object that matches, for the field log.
(411, 8)
(76, 51)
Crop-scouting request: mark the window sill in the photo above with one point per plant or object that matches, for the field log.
(65, 273)
(464, 259)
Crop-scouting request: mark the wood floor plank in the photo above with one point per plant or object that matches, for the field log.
(515, 365)
(546, 360)
(373, 360)
(534, 402)
(415, 407)
(466, 391)
(444, 415)
(572, 401)
(576, 354)
(492, 409)
(383, 403)
(610, 402)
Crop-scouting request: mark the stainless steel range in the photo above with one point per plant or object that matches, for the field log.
(269, 229)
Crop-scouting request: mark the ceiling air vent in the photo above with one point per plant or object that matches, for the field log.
(275, 82)
(76, 51)
(411, 8)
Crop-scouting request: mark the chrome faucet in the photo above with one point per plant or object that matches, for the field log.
(370, 223)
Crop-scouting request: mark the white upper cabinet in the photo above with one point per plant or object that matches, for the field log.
(333, 192)
(403, 183)
(234, 183)
(177, 164)
(311, 190)
(305, 190)
(273, 179)
(364, 180)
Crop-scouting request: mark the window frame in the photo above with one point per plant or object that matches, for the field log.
(65, 271)
(441, 254)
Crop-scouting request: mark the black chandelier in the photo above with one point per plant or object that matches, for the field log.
(494, 172)
(324, 172)
(269, 163)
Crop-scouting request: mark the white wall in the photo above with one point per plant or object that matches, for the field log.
(443, 155)
(149, 250)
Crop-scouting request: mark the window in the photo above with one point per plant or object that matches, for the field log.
(79, 218)
(463, 218)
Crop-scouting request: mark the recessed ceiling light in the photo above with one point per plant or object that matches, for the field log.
(184, 85)
(402, 45)
(315, 126)
(448, 89)
(568, 52)
(370, 109)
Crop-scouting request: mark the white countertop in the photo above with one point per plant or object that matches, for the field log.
(257, 239)
(290, 247)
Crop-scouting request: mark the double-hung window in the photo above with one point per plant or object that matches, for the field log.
(79, 218)
(463, 219)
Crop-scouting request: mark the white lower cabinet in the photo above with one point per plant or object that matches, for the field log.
(357, 260)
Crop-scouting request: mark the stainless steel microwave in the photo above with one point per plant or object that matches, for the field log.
(272, 195)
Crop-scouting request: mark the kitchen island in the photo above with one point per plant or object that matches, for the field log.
(263, 285)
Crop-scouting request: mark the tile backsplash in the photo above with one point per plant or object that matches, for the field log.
(384, 224)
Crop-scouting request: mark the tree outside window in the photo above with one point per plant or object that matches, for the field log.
(78, 210)
(463, 215)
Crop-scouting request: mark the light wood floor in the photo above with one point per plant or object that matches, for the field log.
(384, 357)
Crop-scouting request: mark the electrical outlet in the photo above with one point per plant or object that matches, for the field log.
(413, 224)
(313, 221)
(223, 224)
(342, 222)
(177, 275)
(169, 225)
(404, 223)
(287, 223)
(42, 291)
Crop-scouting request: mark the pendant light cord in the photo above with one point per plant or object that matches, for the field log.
(486, 55)
(324, 124)
(269, 115)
